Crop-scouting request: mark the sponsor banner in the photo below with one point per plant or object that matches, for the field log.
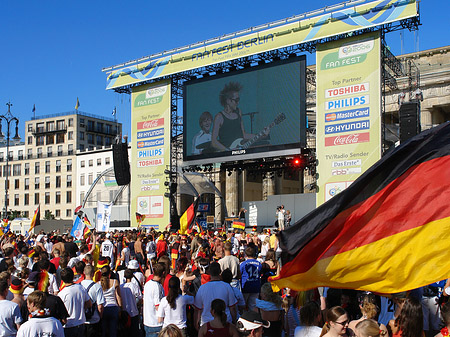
(348, 114)
(150, 143)
(285, 33)
(348, 94)
(151, 128)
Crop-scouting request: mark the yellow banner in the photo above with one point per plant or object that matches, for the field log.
(150, 153)
(292, 31)
(348, 95)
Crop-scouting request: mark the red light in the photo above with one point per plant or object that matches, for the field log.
(296, 161)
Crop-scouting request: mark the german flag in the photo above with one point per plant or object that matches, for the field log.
(36, 221)
(86, 230)
(387, 232)
(238, 224)
(187, 217)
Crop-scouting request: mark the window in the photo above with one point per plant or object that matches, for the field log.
(36, 183)
(70, 150)
(20, 155)
(70, 121)
(69, 165)
(68, 196)
(27, 183)
(81, 135)
(1, 156)
(91, 126)
(37, 168)
(81, 197)
(50, 126)
(107, 141)
(99, 161)
(25, 214)
(36, 198)
(60, 138)
(91, 162)
(47, 166)
(40, 140)
(47, 198)
(60, 150)
(39, 152)
(90, 138)
(107, 161)
(7, 168)
(57, 213)
(70, 135)
(16, 184)
(47, 182)
(69, 181)
(29, 140)
(16, 200)
(82, 180)
(90, 179)
(29, 153)
(58, 197)
(26, 199)
(58, 166)
(60, 124)
(17, 169)
(82, 163)
(30, 127)
(50, 139)
(99, 140)
(40, 127)
(81, 147)
(27, 169)
(10, 155)
(82, 122)
(58, 182)
(91, 148)
(49, 151)
(99, 127)
(68, 212)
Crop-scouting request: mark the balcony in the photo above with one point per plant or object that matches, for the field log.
(44, 131)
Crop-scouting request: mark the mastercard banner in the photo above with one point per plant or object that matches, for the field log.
(348, 111)
(150, 153)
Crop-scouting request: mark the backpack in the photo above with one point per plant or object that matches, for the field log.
(89, 312)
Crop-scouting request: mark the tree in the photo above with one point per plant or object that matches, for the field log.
(49, 215)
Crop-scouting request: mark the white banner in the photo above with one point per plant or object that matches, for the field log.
(103, 216)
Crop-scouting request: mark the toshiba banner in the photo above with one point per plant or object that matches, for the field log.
(348, 111)
(150, 153)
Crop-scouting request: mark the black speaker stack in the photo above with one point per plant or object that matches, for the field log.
(121, 164)
(409, 115)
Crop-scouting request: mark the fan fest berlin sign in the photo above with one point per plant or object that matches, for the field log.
(296, 30)
(348, 111)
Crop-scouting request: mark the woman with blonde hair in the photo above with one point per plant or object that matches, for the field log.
(369, 328)
(336, 324)
(271, 310)
(111, 291)
(369, 310)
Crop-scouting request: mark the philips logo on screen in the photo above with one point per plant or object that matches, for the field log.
(150, 153)
(151, 133)
(150, 143)
(347, 102)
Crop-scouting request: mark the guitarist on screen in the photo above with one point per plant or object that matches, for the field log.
(228, 125)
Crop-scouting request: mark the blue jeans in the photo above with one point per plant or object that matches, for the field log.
(152, 331)
(109, 321)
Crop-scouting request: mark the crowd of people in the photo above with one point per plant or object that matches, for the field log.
(214, 283)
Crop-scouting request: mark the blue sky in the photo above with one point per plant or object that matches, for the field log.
(53, 51)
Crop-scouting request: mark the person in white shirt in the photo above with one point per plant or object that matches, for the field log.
(201, 142)
(231, 262)
(172, 309)
(131, 297)
(138, 277)
(76, 300)
(10, 317)
(107, 249)
(153, 294)
(214, 289)
(93, 326)
(40, 324)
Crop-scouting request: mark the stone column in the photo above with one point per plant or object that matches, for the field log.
(232, 193)
(217, 201)
(268, 185)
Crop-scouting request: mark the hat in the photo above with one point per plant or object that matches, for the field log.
(33, 277)
(102, 261)
(16, 286)
(252, 320)
(108, 235)
(133, 264)
(39, 237)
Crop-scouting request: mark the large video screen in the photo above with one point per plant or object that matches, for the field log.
(248, 114)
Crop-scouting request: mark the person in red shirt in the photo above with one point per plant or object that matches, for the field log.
(161, 247)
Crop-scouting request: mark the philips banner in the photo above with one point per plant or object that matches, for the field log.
(150, 153)
(103, 216)
(348, 111)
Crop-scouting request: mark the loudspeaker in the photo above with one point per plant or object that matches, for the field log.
(121, 164)
(409, 115)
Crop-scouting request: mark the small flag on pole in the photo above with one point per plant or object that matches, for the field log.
(78, 104)
(36, 221)
(139, 218)
(34, 108)
(114, 112)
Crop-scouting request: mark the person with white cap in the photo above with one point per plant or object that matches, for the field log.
(251, 324)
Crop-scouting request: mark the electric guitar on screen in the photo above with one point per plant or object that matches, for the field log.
(240, 143)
